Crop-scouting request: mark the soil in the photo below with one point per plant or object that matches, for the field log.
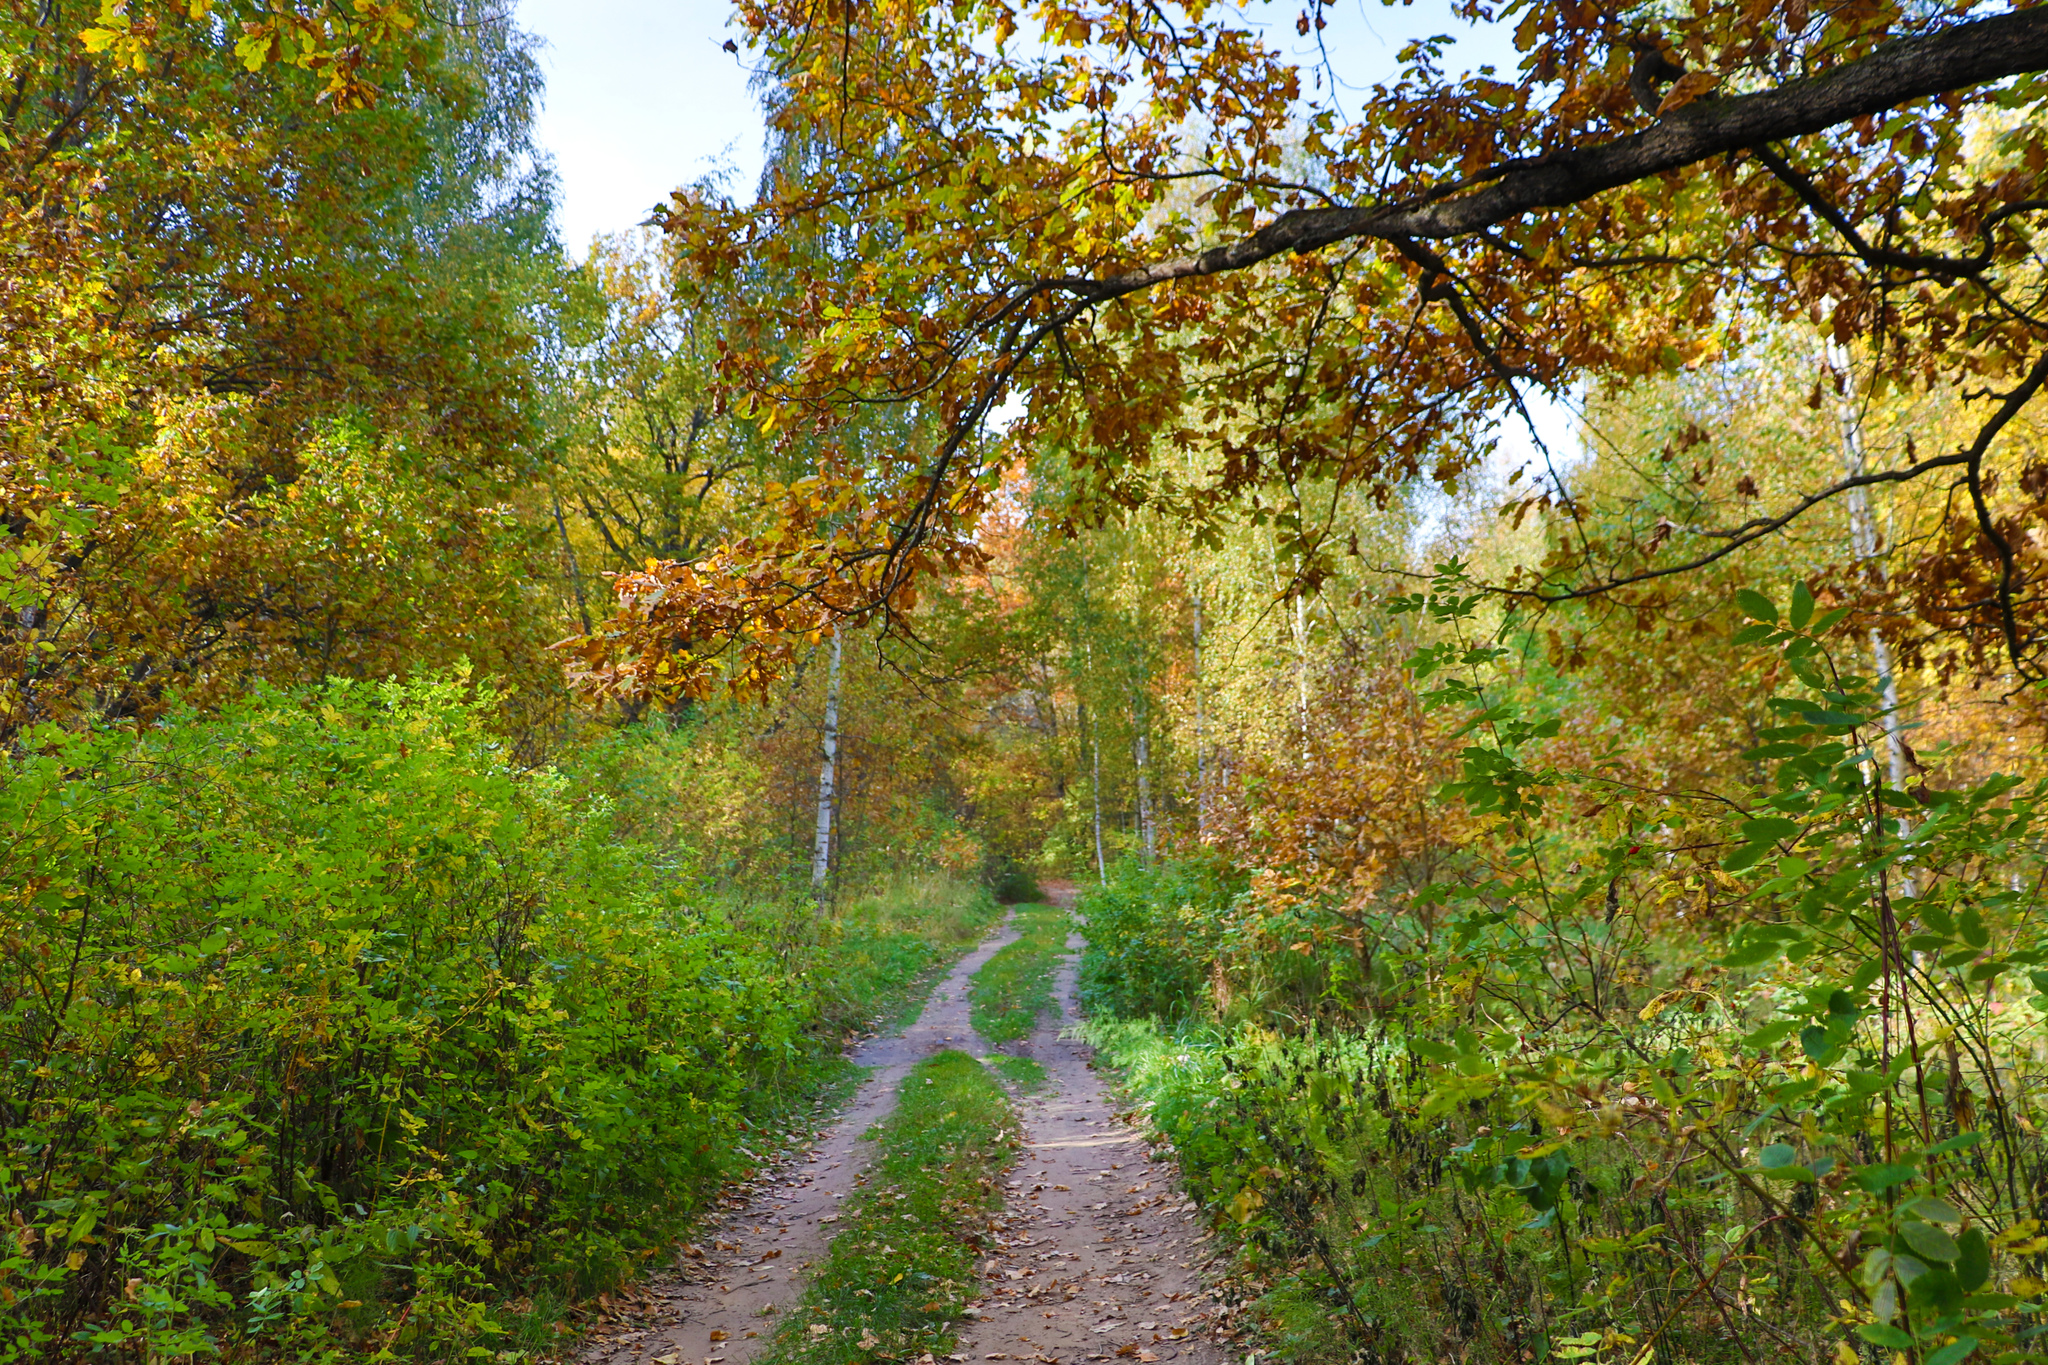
(1096, 1255)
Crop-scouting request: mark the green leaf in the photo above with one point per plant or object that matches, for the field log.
(1934, 1210)
(1802, 606)
(1956, 1350)
(1878, 1334)
(1957, 1143)
(1973, 1265)
(1770, 1035)
(1748, 855)
(1883, 1176)
(1776, 1155)
(1755, 605)
(1828, 620)
(1929, 1242)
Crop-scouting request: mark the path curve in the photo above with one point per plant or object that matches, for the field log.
(1103, 1255)
(720, 1303)
(1096, 1255)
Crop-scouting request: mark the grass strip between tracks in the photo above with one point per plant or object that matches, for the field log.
(896, 1277)
(1015, 986)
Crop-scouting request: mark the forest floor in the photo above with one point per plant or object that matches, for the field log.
(1096, 1254)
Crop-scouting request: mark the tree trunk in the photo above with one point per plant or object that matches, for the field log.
(821, 849)
(575, 572)
(1201, 735)
(1144, 756)
(1095, 791)
(1863, 539)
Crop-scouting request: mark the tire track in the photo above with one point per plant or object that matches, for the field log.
(719, 1303)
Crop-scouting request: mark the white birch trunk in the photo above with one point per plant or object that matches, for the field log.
(1201, 735)
(828, 776)
(1095, 791)
(1144, 756)
(1863, 539)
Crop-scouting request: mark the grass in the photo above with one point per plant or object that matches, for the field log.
(884, 949)
(1015, 986)
(895, 1279)
(1022, 1073)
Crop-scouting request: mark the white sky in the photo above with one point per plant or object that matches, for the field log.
(641, 98)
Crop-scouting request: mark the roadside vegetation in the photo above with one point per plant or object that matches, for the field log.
(894, 1282)
(333, 1027)
(1014, 987)
(1637, 1085)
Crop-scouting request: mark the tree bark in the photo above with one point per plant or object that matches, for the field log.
(1143, 746)
(1095, 791)
(828, 773)
(1911, 68)
(1201, 733)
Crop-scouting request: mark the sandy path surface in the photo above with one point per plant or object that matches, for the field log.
(1102, 1255)
(721, 1300)
(1097, 1255)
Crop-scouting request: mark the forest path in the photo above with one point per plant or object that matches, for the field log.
(720, 1303)
(1096, 1255)
(1102, 1256)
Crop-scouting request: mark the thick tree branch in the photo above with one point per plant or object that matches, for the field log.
(1896, 73)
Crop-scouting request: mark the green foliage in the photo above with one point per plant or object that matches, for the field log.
(1013, 884)
(325, 1026)
(1152, 932)
(1652, 1078)
(902, 1268)
(1014, 987)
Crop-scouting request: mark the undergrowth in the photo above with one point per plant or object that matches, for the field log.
(1014, 987)
(895, 1279)
(1630, 1081)
(336, 1035)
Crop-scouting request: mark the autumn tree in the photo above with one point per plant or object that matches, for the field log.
(265, 370)
(1157, 232)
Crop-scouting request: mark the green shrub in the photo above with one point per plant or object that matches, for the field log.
(1152, 933)
(322, 1026)
(1013, 884)
(1681, 1078)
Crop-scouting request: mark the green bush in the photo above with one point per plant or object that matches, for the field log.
(1682, 1078)
(323, 1026)
(1152, 933)
(1013, 884)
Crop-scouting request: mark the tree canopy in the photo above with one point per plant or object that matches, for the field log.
(1134, 231)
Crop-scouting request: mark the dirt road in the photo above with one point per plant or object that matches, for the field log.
(1096, 1254)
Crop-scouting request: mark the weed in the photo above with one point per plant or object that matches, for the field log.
(1021, 1073)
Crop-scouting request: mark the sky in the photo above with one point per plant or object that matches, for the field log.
(642, 98)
